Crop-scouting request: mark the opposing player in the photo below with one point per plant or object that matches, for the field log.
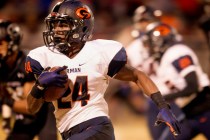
(137, 55)
(82, 113)
(178, 74)
(15, 84)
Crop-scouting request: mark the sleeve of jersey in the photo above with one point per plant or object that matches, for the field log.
(29, 77)
(117, 62)
(33, 64)
(184, 65)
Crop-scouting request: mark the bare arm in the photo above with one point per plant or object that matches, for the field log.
(128, 73)
(33, 104)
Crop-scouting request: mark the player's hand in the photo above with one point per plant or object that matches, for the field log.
(53, 78)
(166, 116)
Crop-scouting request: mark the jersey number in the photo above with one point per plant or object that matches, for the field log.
(79, 93)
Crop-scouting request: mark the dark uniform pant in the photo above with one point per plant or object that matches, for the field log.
(99, 128)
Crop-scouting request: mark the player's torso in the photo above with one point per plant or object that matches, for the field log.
(88, 83)
(87, 72)
(13, 79)
(12, 82)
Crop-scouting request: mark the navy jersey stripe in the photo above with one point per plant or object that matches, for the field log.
(117, 62)
(35, 65)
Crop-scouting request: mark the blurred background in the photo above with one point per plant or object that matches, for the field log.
(113, 20)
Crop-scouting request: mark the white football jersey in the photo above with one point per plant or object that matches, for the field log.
(89, 72)
(137, 53)
(178, 61)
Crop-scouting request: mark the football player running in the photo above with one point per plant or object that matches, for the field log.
(137, 55)
(15, 84)
(179, 76)
(82, 112)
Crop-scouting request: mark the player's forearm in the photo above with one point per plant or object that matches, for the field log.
(21, 107)
(34, 100)
(33, 104)
(184, 93)
(145, 83)
(191, 87)
(150, 89)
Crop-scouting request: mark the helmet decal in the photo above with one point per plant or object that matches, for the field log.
(83, 13)
(162, 30)
(54, 14)
(158, 38)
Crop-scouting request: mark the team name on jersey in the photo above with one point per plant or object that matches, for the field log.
(73, 70)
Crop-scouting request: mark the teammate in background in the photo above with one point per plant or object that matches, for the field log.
(137, 55)
(143, 15)
(82, 113)
(15, 84)
(176, 70)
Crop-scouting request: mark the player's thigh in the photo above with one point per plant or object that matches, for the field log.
(98, 132)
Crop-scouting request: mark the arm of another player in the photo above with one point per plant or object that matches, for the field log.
(20, 106)
(34, 104)
(128, 73)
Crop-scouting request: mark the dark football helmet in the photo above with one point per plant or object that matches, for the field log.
(159, 37)
(11, 33)
(143, 15)
(80, 20)
(146, 13)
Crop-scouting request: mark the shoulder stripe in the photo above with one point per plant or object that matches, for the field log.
(119, 60)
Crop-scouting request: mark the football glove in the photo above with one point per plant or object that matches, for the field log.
(166, 116)
(52, 78)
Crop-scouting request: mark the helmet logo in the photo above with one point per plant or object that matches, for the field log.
(83, 13)
(163, 30)
(53, 14)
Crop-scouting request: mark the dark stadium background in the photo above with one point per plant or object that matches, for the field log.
(113, 19)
